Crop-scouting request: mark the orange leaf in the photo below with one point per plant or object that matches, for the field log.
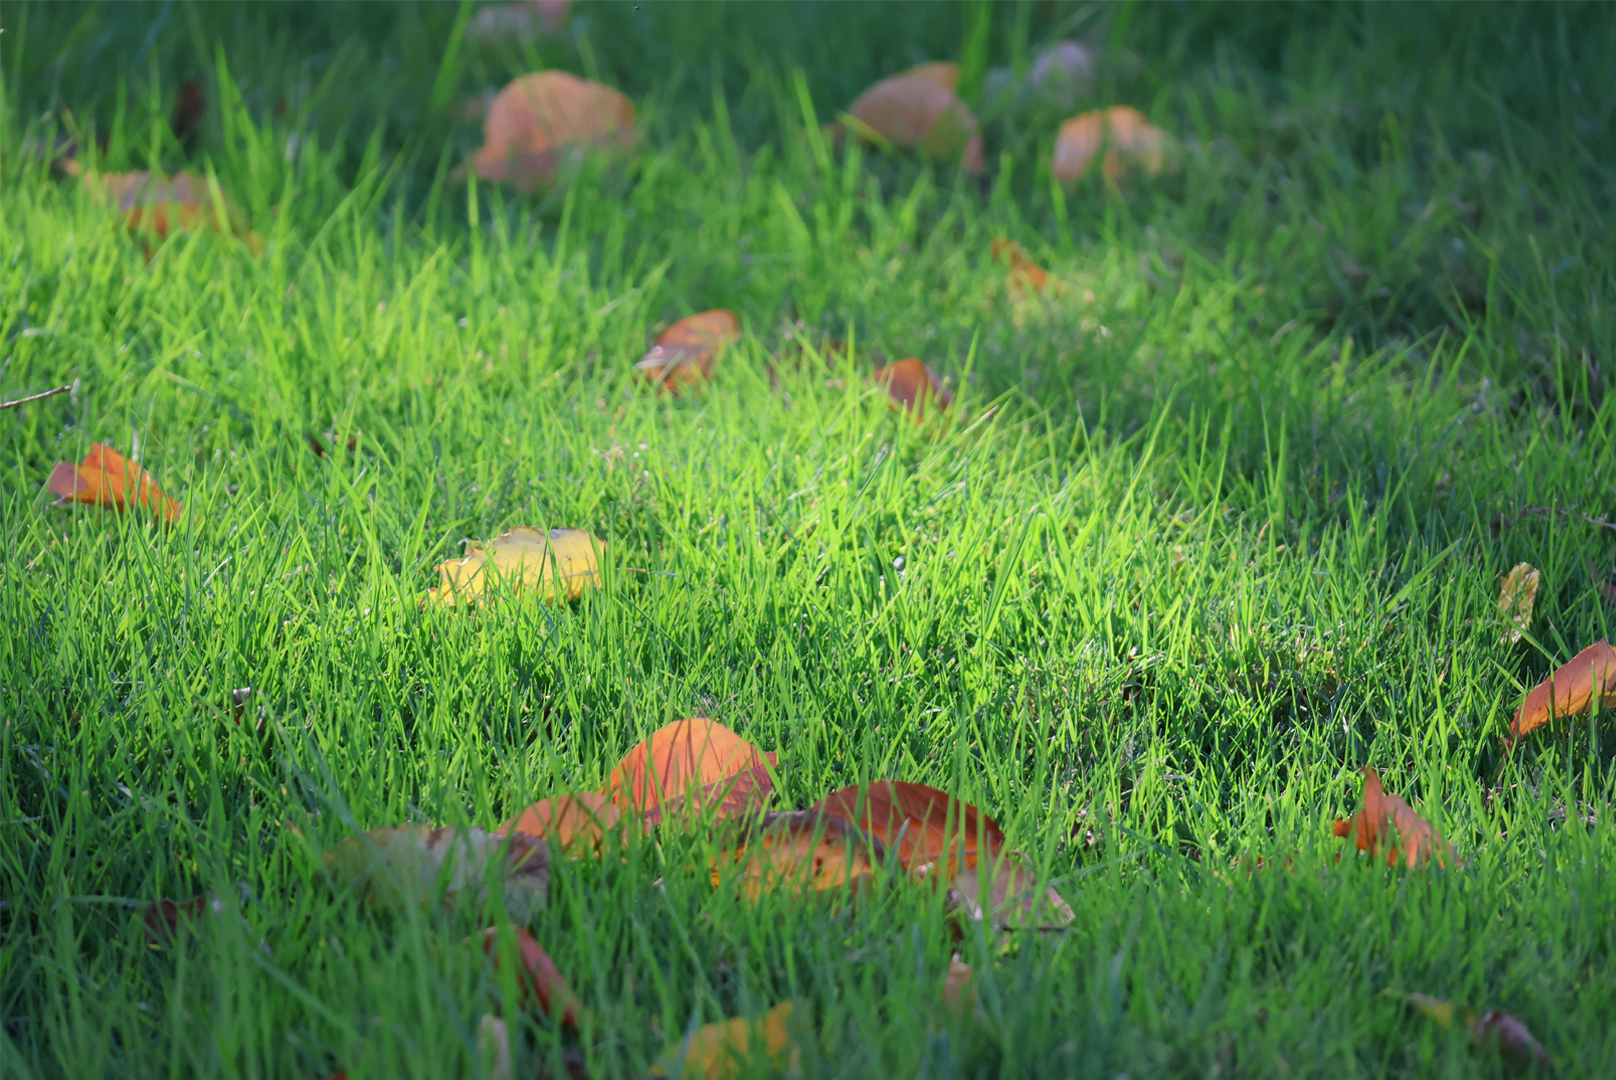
(572, 821)
(1025, 275)
(180, 203)
(104, 478)
(1387, 823)
(804, 851)
(723, 1050)
(910, 384)
(542, 979)
(683, 354)
(691, 765)
(1589, 674)
(1128, 139)
(917, 111)
(537, 117)
(922, 824)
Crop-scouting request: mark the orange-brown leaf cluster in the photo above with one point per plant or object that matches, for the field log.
(918, 110)
(683, 354)
(539, 118)
(158, 205)
(911, 384)
(107, 479)
(1386, 825)
(1126, 137)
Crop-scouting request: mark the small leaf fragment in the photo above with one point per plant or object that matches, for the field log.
(1514, 1037)
(161, 204)
(1024, 276)
(1515, 600)
(556, 566)
(536, 121)
(944, 73)
(918, 112)
(494, 1046)
(959, 992)
(573, 822)
(541, 978)
(407, 864)
(733, 1048)
(1586, 680)
(1127, 137)
(105, 478)
(1388, 824)
(683, 354)
(690, 766)
(1012, 898)
(911, 384)
(802, 851)
(931, 832)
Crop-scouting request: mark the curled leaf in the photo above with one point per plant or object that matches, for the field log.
(801, 851)
(1127, 138)
(573, 822)
(918, 112)
(108, 479)
(732, 1048)
(409, 864)
(556, 566)
(911, 384)
(540, 978)
(1586, 680)
(1515, 600)
(538, 118)
(1388, 824)
(931, 832)
(683, 354)
(690, 766)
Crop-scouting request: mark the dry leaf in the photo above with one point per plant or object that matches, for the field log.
(517, 22)
(1128, 139)
(540, 978)
(1514, 1037)
(557, 565)
(922, 825)
(1024, 276)
(105, 478)
(494, 1047)
(1387, 823)
(410, 863)
(537, 118)
(691, 766)
(572, 822)
(1013, 900)
(163, 204)
(683, 354)
(911, 384)
(726, 1049)
(1588, 677)
(944, 73)
(801, 851)
(1515, 601)
(163, 918)
(916, 111)
(959, 993)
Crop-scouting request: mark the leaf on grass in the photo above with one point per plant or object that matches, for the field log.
(683, 354)
(408, 864)
(917, 111)
(931, 832)
(494, 1047)
(1127, 138)
(691, 766)
(557, 566)
(163, 918)
(1024, 276)
(517, 22)
(572, 822)
(959, 992)
(911, 384)
(106, 478)
(1005, 891)
(541, 979)
(1586, 680)
(1515, 601)
(190, 106)
(944, 73)
(180, 203)
(1388, 824)
(1514, 1037)
(539, 118)
(732, 1048)
(802, 851)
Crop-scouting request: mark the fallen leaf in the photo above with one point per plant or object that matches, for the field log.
(1124, 133)
(1005, 892)
(105, 478)
(959, 993)
(1024, 276)
(726, 1049)
(1588, 677)
(180, 203)
(801, 851)
(573, 822)
(911, 384)
(407, 864)
(538, 118)
(683, 354)
(540, 976)
(1515, 601)
(190, 106)
(919, 823)
(1513, 1036)
(1387, 823)
(691, 766)
(557, 565)
(494, 1047)
(163, 918)
(916, 111)
(944, 73)
(517, 22)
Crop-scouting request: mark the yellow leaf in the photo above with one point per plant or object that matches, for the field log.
(557, 565)
(723, 1050)
(1515, 601)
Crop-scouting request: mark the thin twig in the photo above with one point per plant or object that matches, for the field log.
(34, 397)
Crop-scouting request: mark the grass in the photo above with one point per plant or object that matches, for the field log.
(1206, 537)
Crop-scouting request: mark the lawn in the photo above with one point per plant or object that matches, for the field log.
(1207, 530)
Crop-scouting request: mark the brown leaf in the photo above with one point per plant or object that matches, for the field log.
(190, 106)
(541, 979)
(1515, 600)
(1013, 900)
(801, 851)
(1514, 1037)
(923, 825)
(1025, 276)
(691, 766)
(162, 204)
(537, 118)
(911, 384)
(725, 1050)
(1387, 823)
(409, 863)
(574, 822)
(105, 478)
(163, 918)
(556, 566)
(944, 73)
(1127, 137)
(1588, 677)
(917, 111)
(683, 354)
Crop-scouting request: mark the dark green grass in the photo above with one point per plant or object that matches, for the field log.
(1211, 532)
